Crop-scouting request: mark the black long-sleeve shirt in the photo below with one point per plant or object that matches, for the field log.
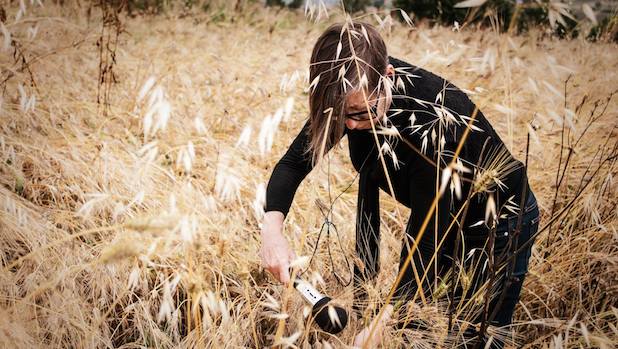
(419, 97)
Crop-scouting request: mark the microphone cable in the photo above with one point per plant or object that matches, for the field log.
(328, 224)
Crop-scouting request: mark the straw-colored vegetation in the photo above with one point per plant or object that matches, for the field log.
(137, 223)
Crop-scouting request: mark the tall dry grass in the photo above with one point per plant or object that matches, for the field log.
(139, 226)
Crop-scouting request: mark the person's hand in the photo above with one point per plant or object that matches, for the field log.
(275, 252)
(378, 324)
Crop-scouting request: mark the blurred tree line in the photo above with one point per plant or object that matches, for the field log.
(505, 15)
(565, 20)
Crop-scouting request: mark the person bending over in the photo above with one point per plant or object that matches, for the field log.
(421, 139)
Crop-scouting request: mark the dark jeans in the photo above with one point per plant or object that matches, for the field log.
(528, 230)
(511, 268)
(508, 279)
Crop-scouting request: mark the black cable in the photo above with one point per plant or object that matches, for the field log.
(328, 224)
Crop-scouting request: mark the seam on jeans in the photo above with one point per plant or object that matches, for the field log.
(524, 223)
(520, 273)
(531, 207)
(527, 209)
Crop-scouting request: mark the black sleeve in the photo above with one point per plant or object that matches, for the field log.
(422, 194)
(288, 173)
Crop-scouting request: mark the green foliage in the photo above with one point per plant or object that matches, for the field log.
(607, 29)
(282, 3)
(147, 6)
(440, 10)
(352, 6)
(445, 12)
(503, 14)
(570, 30)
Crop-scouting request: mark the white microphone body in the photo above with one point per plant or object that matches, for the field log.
(307, 290)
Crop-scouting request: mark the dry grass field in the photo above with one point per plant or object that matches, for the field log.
(136, 224)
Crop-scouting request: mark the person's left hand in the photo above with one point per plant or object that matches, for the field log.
(362, 339)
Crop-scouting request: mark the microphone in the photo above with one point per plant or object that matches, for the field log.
(333, 321)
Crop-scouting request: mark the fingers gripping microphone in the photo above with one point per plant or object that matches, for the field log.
(330, 318)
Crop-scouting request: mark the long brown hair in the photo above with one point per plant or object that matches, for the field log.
(329, 84)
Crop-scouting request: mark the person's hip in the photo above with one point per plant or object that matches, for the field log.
(515, 234)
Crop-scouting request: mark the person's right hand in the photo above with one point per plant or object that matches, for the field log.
(275, 252)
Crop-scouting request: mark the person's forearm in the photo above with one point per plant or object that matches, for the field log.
(272, 223)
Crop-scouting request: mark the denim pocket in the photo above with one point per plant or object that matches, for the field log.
(505, 238)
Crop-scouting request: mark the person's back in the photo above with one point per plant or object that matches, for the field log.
(443, 109)
(420, 138)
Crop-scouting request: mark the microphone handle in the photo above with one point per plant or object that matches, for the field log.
(320, 309)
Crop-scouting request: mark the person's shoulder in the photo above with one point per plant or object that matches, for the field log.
(405, 69)
(409, 70)
(418, 89)
(422, 83)
(413, 81)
